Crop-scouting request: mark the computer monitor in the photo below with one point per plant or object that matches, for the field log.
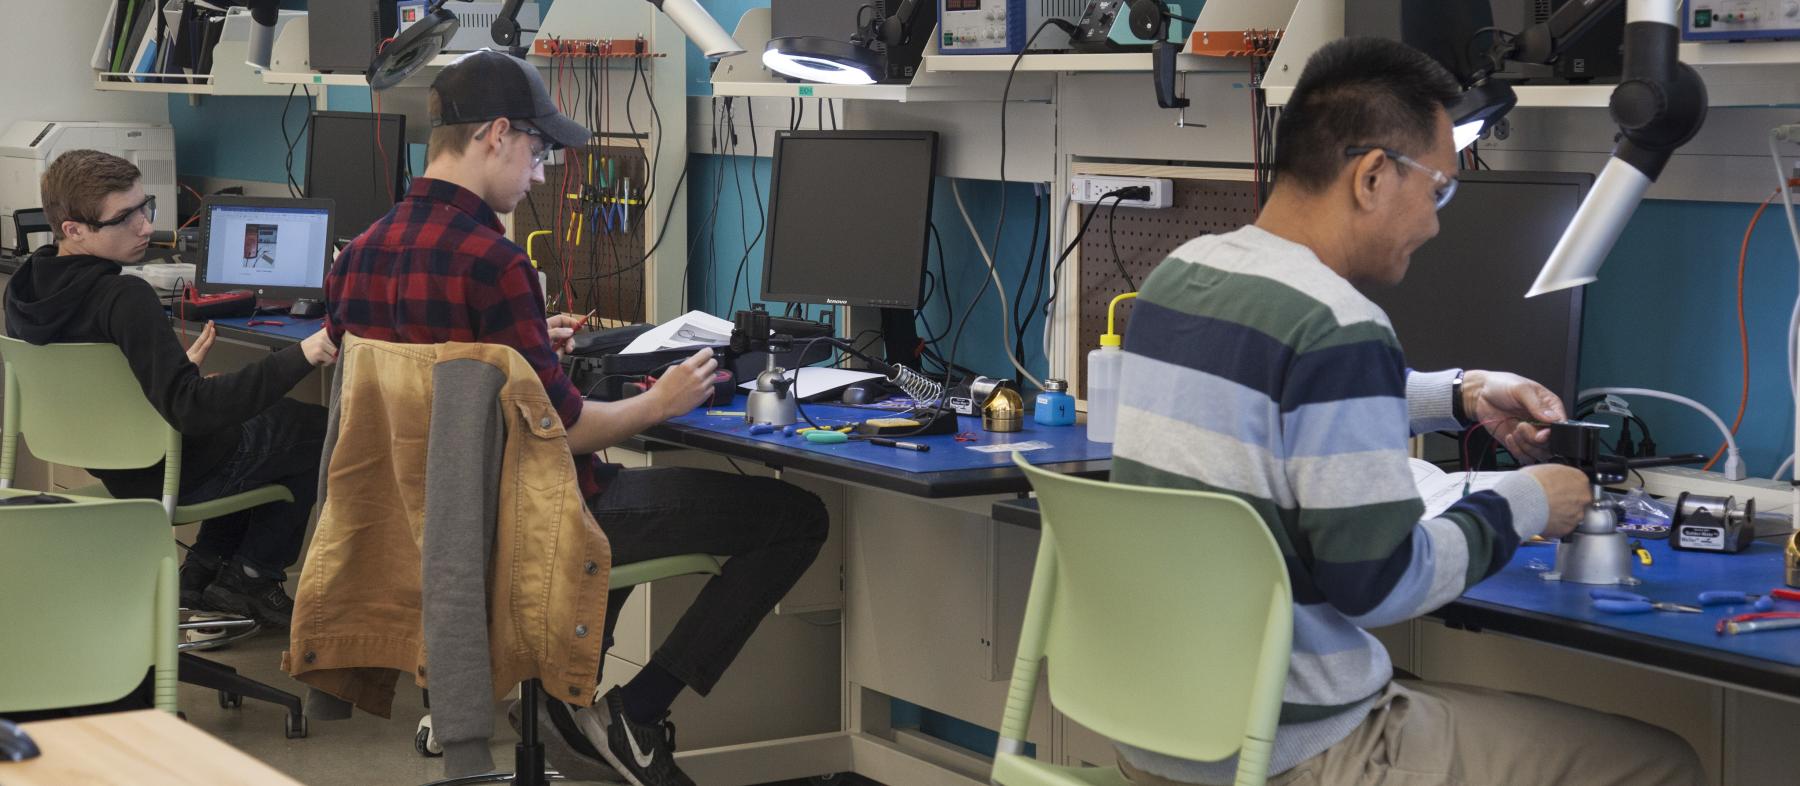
(849, 217)
(1463, 304)
(279, 248)
(346, 165)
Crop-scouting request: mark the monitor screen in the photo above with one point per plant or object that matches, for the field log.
(849, 216)
(274, 246)
(345, 165)
(1463, 304)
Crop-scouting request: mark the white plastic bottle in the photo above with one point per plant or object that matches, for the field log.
(1103, 367)
(1103, 388)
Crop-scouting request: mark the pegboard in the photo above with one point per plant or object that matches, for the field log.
(1144, 238)
(603, 268)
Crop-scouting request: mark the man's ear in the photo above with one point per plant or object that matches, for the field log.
(71, 230)
(1366, 174)
(497, 134)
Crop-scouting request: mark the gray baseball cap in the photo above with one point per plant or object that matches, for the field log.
(486, 85)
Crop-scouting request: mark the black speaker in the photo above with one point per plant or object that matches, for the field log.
(346, 33)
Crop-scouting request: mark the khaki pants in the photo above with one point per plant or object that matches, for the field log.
(1436, 734)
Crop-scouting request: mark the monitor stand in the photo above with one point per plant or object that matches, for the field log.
(900, 334)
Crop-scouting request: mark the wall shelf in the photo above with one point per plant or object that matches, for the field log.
(1106, 62)
(744, 76)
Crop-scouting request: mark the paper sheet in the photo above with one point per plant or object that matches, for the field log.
(815, 381)
(1439, 489)
(693, 329)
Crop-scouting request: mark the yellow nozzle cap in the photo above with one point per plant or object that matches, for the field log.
(1111, 337)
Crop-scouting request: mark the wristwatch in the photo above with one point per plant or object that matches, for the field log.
(1457, 410)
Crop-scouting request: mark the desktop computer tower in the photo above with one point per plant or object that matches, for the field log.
(352, 29)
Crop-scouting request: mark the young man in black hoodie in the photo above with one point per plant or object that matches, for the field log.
(238, 430)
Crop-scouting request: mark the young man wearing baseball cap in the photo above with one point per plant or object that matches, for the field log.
(438, 268)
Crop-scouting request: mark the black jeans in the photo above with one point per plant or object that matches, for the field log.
(281, 446)
(771, 530)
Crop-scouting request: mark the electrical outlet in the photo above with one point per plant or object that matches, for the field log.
(1772, 496)
(1088, 189)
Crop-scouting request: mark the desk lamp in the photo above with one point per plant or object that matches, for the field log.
(1659, 104)
(418, 44)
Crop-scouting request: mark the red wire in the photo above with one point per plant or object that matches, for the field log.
(380, 149)
(1743, 330)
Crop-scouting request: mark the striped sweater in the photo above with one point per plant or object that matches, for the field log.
(1254, 370)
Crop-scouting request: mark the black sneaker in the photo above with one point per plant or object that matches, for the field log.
(197, 572)
(643, 752)
(260, 598)
(565, 746)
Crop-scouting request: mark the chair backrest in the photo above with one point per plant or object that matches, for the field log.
(1165, 617)
(87, 603)
(79, 405)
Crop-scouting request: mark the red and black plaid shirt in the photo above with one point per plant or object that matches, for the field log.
(438, 268)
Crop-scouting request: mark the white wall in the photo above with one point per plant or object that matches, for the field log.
(45, 49)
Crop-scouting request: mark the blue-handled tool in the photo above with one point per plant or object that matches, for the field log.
(1621, 602)
(789, 430)
(761, 428)
(1733, 598)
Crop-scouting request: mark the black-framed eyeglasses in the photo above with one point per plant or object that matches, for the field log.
(146, 208)
(1445, 184)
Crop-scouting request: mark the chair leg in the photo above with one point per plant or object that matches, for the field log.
(528, 755)
(195, 670)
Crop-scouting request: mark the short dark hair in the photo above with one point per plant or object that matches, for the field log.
(446, 140)
(77, 182)
(1358, 91)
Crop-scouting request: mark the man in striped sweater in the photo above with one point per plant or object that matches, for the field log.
(1255, 368)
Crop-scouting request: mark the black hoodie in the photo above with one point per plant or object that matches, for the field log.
(84, 299)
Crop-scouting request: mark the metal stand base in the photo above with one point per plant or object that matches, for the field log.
(1594, 559)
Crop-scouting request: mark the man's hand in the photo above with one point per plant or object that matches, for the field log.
(682, 388)
(196, 352)
(562, 332)
(318, 348)
(1508, 404)
(1569, 492)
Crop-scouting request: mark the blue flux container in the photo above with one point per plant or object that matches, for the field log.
(1055, 407)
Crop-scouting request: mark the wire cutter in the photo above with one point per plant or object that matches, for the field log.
(1621, 602)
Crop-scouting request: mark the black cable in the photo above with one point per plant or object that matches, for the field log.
(1112, 239)
(761, 212)
(833, 107)
(1040, 261)
(1056, 272)
(1037, 211)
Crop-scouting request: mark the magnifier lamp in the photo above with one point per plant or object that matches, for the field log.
(1659, 105)
(834, 61)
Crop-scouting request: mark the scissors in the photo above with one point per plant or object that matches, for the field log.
(1621, 602)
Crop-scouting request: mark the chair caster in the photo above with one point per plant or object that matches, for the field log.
(230, 701)
(295, 727)
(425, 741)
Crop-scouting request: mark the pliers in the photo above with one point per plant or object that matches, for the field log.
(1621, 602)
(1733, 598)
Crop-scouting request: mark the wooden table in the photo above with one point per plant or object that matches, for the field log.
(143, 748)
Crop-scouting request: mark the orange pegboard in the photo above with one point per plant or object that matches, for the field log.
(586, 47)
(1234, 43)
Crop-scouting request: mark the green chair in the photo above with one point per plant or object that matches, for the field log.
(79, 405)
(528, 755)
(90, 603)
(1167, 620)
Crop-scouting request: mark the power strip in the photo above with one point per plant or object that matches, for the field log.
(1089, 189)
(1772, 496)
